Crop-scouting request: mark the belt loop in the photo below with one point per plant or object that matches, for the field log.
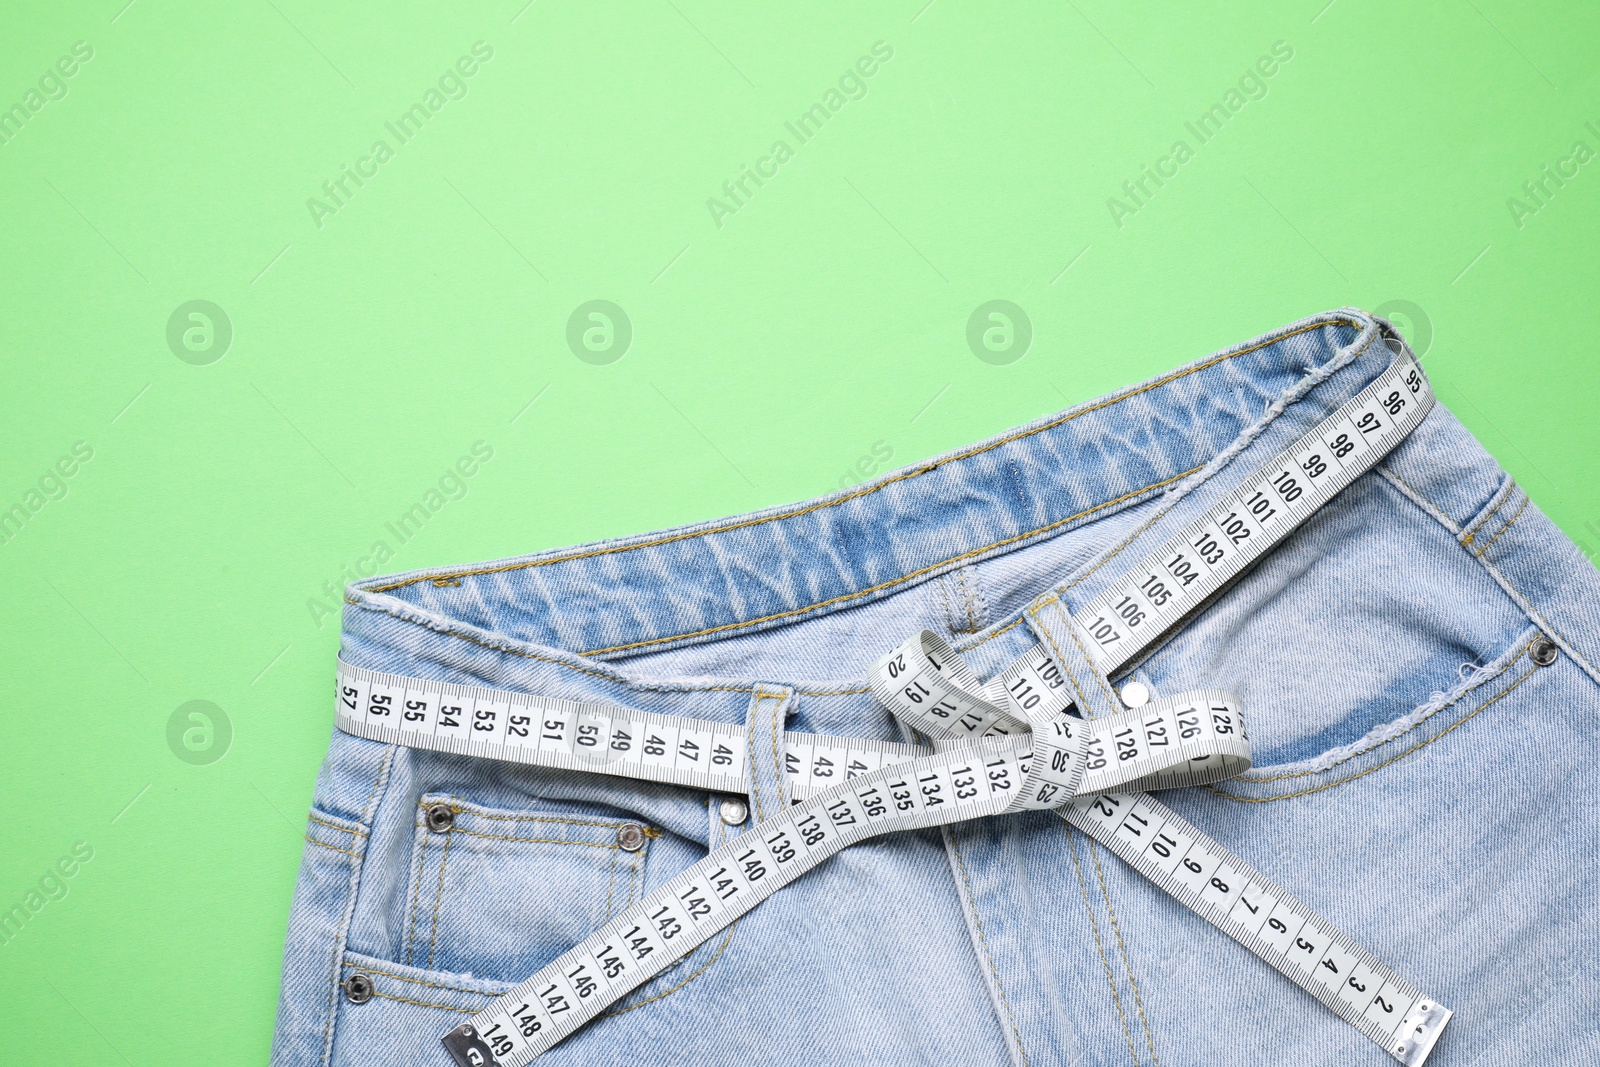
(769, 707)
(1090, 689)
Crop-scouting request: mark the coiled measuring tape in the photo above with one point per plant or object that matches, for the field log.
(1009, 745)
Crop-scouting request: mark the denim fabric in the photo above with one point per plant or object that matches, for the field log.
(1418, 779)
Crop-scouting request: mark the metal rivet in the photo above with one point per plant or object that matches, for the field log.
(441, 817)
(1136, 694)
(630, 837)
(734, 811)
(358, 988)
(1543, 651)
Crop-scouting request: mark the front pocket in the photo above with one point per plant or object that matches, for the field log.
(1393, 742)
(500, 893)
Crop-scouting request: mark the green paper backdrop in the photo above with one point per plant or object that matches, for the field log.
(271, 268)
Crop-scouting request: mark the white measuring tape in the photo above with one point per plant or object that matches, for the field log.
(1006, 746)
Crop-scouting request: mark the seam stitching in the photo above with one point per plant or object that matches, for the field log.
(611, 884)
(942, 583)
(1105, 961)
(913, 473)
(1510, 662)
(478, 814)
(755, 779)
(777, 764)
(1072, 632)
(535, 840)
(1392, 759)
(1127, 964)
(919, 572)
(367, 969)
(1421, 499)
(313, 841)
(416, 897)
(350, 904)
(438, 896)
(335, 826)
(1534, 615)
(1504, 493)
(1525, 500)
(441, 626)
(726, 939)
(983, 941)
(1231, 452)
(423, 1003)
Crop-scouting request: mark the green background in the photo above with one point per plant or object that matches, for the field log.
(773, 357)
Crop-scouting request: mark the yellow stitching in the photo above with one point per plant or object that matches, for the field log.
(477, 813)
(913, 473)
(366, 969)
(1506, 494)
(633, 874)
(1135, 535)
(755, 779)
(1105, 961)
(533, 840)
(1379, 766)
(611, 884)
(1507, 526)
(334, 826)
(330, 848)
(779, 615)
(895, 581)
(1248, 777)
(416, 897)
(834, 692)
(1072, 632)
(983, 941)
(333, 986)
(967, 601)
(667, 993)
(1138, 1000)
(1420, 495)
(777, 766)
(607, 676)
(433, 937)
(942, 582)
(1012, 625)
(1083, 701)
(423, 1003)
(383, 771)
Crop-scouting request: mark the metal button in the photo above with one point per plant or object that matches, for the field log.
(441, 817)
(358, 988)
(630, 837)
(734, 811)
(1543, 651)
(1136, 694)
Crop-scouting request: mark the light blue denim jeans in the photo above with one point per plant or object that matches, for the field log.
(1419, 780)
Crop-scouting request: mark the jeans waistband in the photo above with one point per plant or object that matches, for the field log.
(566, 621)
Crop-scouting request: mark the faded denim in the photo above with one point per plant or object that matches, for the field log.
(1418, 780)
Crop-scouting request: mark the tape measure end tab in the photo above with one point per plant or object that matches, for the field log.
(467, 1048)
(1417, 1035)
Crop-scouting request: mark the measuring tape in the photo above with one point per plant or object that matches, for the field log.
(711, 755)
(1008, 745)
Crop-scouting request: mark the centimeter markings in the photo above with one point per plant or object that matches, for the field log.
(981, 778)
(1253, 910)
(712, 893)
(1158, 593)
(1211, 551)
(973, 778)
(701, 754)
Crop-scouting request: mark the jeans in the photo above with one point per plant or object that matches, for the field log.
(1419, 779)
